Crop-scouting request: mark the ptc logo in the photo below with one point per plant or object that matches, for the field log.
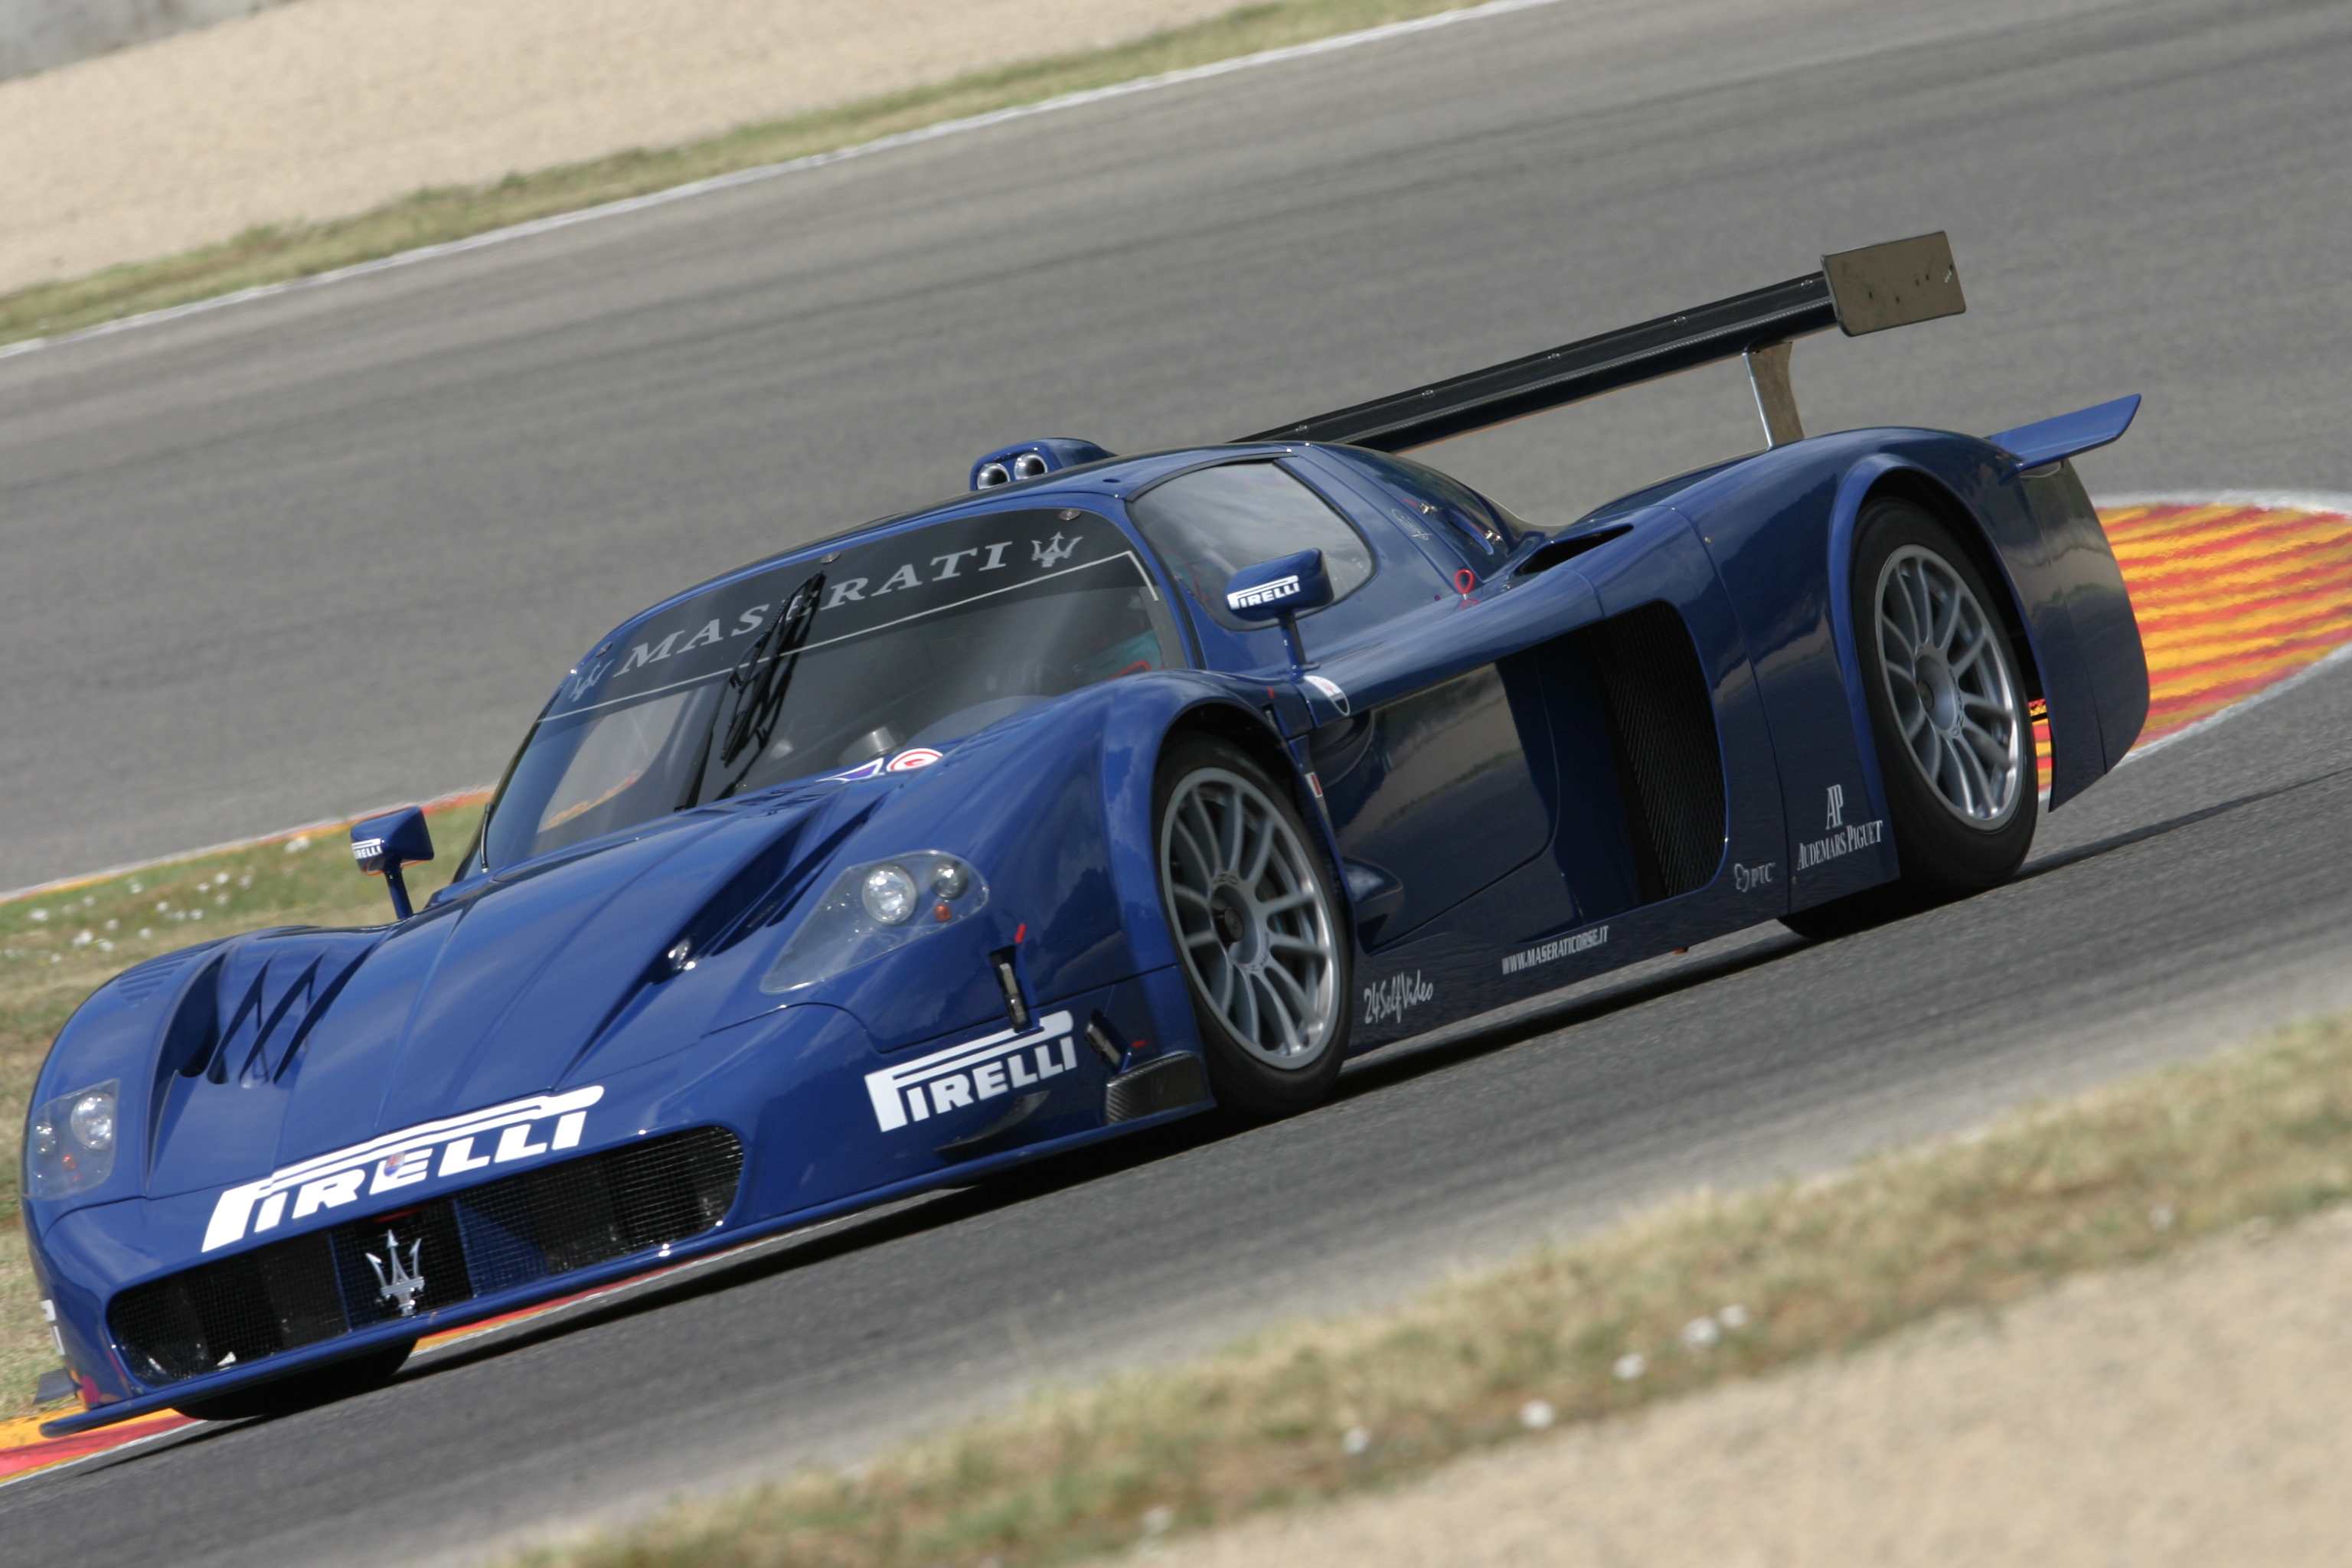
(1837, 808)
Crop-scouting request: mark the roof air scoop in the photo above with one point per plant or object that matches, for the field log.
(1033, 460)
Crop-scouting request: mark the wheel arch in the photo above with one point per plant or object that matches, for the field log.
(1136, 738)
(1887, 478)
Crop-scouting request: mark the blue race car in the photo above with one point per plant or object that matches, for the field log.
(1120, 788)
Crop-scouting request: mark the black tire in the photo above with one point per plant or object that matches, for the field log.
(304, 1390)
(1243, 1046)
(1948, 847)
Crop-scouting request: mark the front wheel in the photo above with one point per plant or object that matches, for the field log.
(1947, 711)
(1257, 921)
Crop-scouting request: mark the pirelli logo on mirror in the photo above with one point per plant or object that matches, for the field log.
(1281, 588)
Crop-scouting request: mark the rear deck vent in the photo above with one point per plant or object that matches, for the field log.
(1569, 549)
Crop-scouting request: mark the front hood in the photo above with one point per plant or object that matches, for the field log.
(289, 1043)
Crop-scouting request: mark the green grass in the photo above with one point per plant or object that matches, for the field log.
(277, 254)
(1709, 1288)
(55, 948)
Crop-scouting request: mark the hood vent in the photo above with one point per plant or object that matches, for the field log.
(268, 1026)
(143, 981)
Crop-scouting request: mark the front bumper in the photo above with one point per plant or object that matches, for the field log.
(791, 1133)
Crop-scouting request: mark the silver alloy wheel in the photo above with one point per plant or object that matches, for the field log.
(1949, 683)
(1250, 917)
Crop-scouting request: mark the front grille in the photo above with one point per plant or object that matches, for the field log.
(469, 1243)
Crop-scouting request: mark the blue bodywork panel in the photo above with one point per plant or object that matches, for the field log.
(1527, 759)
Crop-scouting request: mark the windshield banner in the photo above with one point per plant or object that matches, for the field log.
(867, 587)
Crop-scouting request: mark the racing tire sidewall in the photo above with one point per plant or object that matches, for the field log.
(1246, 1085)
(1942, 857)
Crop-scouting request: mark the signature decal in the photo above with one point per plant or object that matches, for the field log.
(404, 1159)
(1391, 997)
(975, 1070)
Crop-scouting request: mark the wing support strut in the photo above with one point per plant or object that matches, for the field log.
(1857, 291)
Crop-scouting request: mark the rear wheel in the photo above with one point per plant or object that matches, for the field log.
(1256, 920)
(303, 1390)
(1948, 712)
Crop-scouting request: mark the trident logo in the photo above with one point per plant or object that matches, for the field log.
(1050, 554)
(399, 1286)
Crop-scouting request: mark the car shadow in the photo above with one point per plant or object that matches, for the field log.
(1400, 1063)
(2142, 834)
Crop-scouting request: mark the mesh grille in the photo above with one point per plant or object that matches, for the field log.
(470, 1243)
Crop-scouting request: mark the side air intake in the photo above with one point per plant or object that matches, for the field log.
(1669, 764)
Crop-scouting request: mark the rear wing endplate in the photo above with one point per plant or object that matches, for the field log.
(2068, 435)
(1857, 291)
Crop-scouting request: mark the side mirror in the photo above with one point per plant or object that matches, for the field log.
(1279, 590)
(382, 845)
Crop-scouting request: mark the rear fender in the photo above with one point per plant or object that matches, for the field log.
(2038, 560)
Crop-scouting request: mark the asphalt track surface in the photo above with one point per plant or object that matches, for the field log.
(332, 548)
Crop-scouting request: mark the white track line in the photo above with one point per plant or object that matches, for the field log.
(2268, 500)
(326, 825)
(794, 166)
(2277, 689)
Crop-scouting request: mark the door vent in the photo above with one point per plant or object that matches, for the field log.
(1669, 764)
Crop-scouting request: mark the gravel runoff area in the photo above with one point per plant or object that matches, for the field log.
(323, 108)
(2193, 1412)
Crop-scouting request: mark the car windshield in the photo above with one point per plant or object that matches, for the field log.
(829, 664)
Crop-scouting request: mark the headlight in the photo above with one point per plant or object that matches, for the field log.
(875, 908)
(70, 1142)
(889, 893)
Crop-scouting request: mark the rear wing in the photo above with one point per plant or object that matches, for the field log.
(1857, 291)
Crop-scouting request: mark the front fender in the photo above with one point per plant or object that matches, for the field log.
(1133, 737)
(1054, 808)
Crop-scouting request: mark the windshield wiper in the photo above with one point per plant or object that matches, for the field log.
(756, 687)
